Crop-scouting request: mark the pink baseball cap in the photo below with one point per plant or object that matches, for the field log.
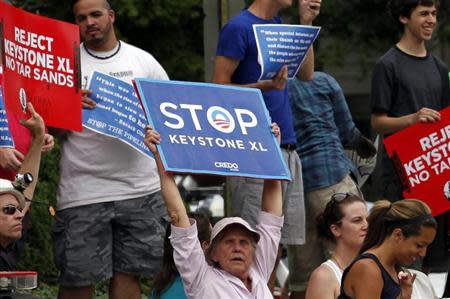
(223, 223)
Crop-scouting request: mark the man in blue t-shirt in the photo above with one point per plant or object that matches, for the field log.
(237, 63)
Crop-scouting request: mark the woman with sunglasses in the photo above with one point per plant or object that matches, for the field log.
(398, 234)
(14, 195)
(343, 222)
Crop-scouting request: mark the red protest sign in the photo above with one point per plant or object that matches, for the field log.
(421, 155)
(40, 59)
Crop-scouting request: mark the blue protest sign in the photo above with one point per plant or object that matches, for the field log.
(5, 136)
(118, 112)
(212, 129)
(280, 45)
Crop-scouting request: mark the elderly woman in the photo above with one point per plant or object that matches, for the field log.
(240, 258)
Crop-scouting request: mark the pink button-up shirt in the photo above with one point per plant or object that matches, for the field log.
(204, 281)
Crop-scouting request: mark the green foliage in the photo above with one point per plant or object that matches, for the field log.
(172, 30)
(44, 291)
(156, 27)
(363, 29)
(355, 27)
(153, 25)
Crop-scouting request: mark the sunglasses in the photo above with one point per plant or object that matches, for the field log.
(10, 209)
(338, 197)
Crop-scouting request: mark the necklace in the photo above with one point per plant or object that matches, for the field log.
(102, 57)
(337, 263)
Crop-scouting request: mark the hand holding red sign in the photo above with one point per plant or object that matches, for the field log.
(41, 65)
(421, 155)
(426, 115)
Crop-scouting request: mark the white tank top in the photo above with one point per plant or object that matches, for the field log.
(336, 270)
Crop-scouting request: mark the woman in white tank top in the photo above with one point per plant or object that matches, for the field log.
(343, 223)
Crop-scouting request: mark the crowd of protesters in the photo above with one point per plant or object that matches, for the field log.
(114, 203)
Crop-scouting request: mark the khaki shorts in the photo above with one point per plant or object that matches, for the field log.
(246, 197)
(303, 259)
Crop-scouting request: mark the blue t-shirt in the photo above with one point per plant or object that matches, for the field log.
(175, 291)
(237, 41)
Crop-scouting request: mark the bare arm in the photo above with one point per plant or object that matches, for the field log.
(224, 68)
(272, 201)
(32, 159)
(172, 198)
(306, 71)
(384, 124)
(355, 284)
(308, 11)
(322, 284)
(271, 198)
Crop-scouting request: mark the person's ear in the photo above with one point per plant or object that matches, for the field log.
(205, 245)
(404, 20)
(397, 233)
(212, 254)
(335, 230)
(112, 15)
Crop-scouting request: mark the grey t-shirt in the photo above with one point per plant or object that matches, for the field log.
(403, 84)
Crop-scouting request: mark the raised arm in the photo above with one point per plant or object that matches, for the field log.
(272, 194)
(172, 198)
(308, 11)
(272, 198)
(32, 159)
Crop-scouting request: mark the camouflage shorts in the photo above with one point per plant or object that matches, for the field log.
(92, 242)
